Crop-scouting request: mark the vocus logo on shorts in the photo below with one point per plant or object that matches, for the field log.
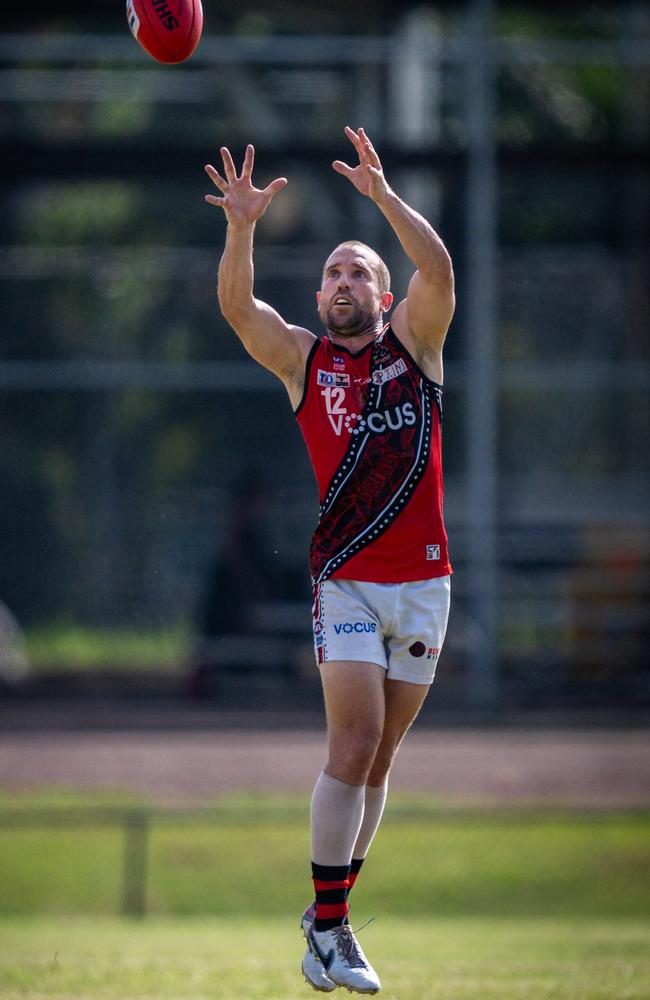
(393, 418)
(348, 627)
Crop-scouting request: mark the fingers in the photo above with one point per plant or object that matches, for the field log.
(232, 187)
(247, 168)
(342, 168)
(363, 146)
(216, 177)
(369, 149)
(229, 168)
(353, 137)
(276, 186)
(228, 165)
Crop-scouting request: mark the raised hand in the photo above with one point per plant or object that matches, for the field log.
(368, 175)
(242, 203)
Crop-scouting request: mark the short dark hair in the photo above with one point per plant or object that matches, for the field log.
(379, 267)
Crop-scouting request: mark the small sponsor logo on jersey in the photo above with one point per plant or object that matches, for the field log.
(318, 627)
(338, 363)
(382, 375)
(432, 653)
(433, 552)
(332, 378)
(348, 627)
(319, 641)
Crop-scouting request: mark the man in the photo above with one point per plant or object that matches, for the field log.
(367, 397)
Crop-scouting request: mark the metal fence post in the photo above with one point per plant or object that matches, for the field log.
(134, 886)
(482, 350)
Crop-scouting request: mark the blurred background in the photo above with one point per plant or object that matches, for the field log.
(161, 719)
(157, 502)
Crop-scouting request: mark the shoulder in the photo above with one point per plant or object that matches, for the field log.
(294, 376)
(305, 340)
(427, 354)
(298, 345)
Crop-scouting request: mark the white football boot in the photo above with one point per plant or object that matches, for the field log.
(343, 960)
(307, 919)
(312, 967)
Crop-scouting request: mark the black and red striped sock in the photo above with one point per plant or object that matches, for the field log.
(355, 868)
(331, 885)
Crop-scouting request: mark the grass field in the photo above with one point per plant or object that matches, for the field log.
(239, 959)
(73, 648)
(469, 906)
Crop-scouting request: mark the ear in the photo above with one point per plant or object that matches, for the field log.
(317, 298)
(386, 301)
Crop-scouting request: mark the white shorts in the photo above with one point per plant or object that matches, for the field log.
(400, 626)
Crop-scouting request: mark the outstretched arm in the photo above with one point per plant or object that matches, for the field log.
(266, 336)
(423, 318)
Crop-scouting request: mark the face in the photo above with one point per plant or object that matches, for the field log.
(350, 302)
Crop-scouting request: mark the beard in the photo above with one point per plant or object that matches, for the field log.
(352, 323)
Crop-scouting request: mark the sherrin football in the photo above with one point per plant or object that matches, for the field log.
(169, 30)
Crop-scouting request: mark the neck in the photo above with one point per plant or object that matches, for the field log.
(356, 341)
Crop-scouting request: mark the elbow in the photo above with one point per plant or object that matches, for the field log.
(439, 270)
(446, 271)
(227, 309)
(232, 309)
(225, 300)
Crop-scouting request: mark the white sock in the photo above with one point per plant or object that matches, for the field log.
(374, 809)
(336, 815)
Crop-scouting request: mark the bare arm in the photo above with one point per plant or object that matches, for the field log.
(422, 319)
(266, 336)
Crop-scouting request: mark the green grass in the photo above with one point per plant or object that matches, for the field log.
(463, 958)
(470, 905)
(224, 860)
(72, 648)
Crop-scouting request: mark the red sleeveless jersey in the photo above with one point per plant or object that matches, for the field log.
(372, 425)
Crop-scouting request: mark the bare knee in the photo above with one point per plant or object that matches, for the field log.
(384, 757)
(380, 768)
(352, 752)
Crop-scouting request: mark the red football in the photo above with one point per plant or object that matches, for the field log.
(169, 30)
